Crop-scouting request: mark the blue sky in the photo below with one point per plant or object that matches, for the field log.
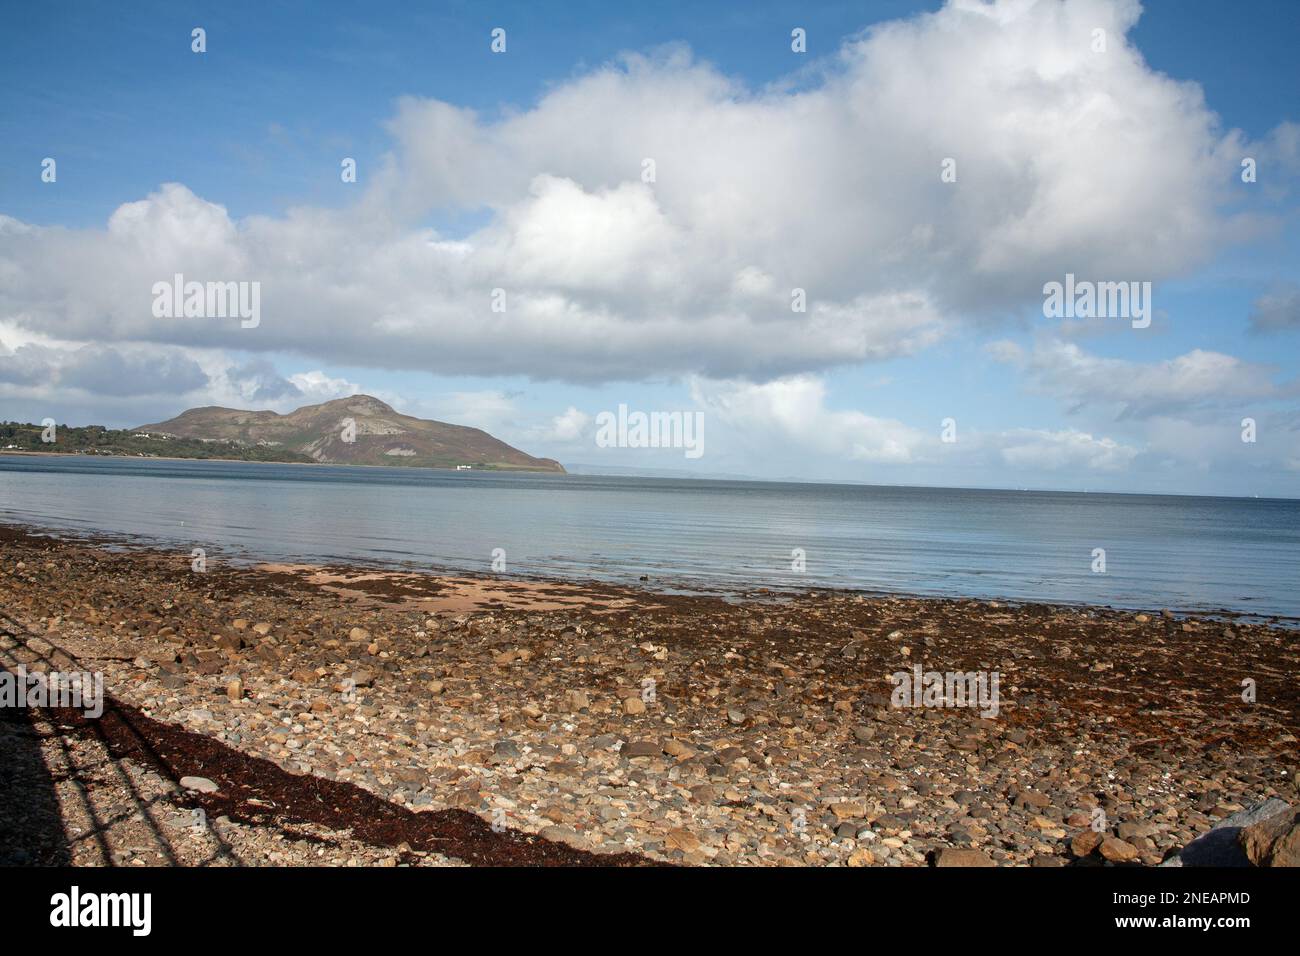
(493, 165)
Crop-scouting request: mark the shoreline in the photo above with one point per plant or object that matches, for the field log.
(249, 461)
(685, 585)
(768, 736)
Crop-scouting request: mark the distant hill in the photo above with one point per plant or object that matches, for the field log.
(381, 436)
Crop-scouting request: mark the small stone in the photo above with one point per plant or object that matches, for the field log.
(1117, 850)
(848, 810)
(1032, 798)
(577, 700)
(1135, 829)
(358, 634)
(506, 750)
(682, 839)
(633, 706)
(954, 856)
(1084, 843)
(199, 784)
(563, 834)
(675, 748)
(228, 642)
(1048, 827)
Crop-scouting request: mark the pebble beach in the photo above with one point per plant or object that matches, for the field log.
(442, 720)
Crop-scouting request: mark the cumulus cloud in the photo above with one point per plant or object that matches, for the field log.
(1069, 448)
(569, 426)
(123, 371)
(316, 386)
(490, 409)
(793, 410)
(260, 381)
(1067, 160)
(1191, 381)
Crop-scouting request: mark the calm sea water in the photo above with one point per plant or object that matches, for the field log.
(1161, 551)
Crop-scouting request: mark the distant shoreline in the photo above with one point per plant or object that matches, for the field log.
(251, 461)
(650, 474)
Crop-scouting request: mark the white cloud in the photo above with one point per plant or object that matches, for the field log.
(1069, 448)
(792, 412)
(489, 409)
(1068, 160)
(316, 387)
(569, 426)
(41, 365)
(1193, 380)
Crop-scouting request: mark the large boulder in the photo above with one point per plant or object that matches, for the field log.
(1274, 841)
(1223, 845)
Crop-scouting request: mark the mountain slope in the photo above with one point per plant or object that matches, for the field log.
(382, 436)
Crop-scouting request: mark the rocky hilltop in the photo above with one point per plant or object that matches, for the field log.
(360, 430)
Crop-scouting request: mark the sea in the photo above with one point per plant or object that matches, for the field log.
(1150, 552)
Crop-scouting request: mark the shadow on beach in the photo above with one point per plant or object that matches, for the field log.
(31, 823)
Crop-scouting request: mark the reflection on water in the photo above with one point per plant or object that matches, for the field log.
(1161, 551)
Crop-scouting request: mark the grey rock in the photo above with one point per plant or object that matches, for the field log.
(506, 750)
(1221, 846)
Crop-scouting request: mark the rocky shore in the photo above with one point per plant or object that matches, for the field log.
(506, 720)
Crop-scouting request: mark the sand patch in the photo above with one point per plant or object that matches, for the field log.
(432, 593)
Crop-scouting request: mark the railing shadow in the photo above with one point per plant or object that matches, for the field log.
(31, 821)
(29, 799)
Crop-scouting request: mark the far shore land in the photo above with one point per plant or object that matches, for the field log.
(496, 469)
(353, 715)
